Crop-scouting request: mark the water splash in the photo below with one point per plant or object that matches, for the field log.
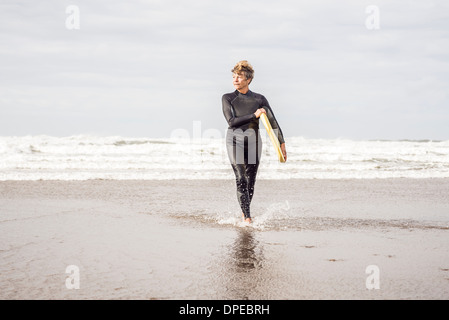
(273, 217)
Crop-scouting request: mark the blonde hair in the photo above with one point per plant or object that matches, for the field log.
(245, 68)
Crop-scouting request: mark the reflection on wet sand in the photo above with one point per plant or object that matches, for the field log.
(244, 266)
(246, 251)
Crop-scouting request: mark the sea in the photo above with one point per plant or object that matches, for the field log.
(84, 157)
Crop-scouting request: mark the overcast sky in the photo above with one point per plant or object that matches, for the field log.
(146, 68)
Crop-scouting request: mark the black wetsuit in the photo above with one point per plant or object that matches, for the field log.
(243, 142)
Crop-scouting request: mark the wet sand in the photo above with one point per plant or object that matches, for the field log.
(181, 239)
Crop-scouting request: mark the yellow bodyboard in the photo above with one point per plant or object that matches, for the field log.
(274, 139)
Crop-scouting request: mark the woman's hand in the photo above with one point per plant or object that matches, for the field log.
(259, 112)
(284, 151)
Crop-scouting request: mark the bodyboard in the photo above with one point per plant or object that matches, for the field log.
(274, 139)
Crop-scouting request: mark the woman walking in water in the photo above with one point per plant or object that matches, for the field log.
(242, 109)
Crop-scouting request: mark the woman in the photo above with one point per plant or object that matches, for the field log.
(242, 109)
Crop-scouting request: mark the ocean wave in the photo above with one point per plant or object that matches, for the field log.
(113, 157)
(139, 142)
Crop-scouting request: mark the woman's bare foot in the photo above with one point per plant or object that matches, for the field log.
(247, 219)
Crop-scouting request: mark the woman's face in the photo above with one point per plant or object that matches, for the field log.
(240, 82)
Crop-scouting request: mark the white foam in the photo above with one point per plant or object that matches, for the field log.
(88, 157)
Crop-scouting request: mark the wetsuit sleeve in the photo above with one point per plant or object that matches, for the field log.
(232, 120)
(273, 121)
